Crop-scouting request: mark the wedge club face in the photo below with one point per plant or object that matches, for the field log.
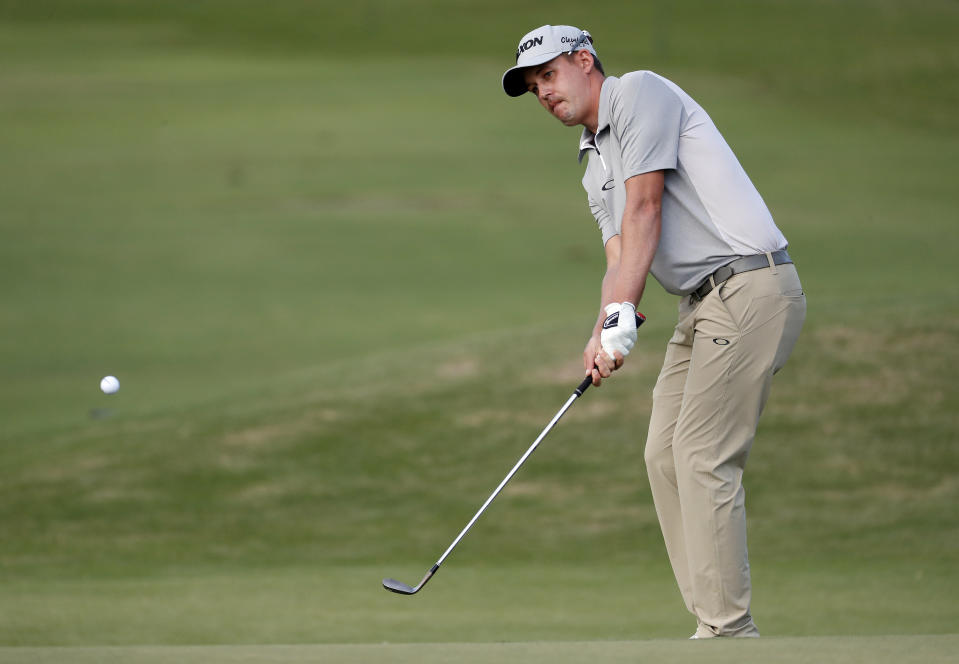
(399, 587)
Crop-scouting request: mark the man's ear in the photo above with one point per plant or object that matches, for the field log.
(585, 60)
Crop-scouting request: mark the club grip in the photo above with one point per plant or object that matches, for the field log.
(640, 319)
(584, 385)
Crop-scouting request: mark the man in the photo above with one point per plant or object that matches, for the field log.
(672, 200)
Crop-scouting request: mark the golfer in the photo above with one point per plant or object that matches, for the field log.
(671, 199)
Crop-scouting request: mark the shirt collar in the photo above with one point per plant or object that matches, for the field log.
(587, 140)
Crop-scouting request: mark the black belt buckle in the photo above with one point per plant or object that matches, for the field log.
(700, 293)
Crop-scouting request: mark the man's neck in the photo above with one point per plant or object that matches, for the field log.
(592, 118)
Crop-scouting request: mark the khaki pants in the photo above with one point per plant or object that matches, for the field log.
(706, 405)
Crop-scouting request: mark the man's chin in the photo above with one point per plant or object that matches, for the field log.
(567, 119)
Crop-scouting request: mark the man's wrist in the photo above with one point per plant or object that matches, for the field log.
(618, 306)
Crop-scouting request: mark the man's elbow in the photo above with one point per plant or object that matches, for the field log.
(646, 211)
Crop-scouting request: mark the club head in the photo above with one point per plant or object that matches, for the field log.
(398, 587)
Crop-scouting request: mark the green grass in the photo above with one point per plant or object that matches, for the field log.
(344, 282)
(468, 601)
(854, 650)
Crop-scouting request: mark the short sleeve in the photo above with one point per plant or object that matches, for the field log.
(647, 117)
(603, 220)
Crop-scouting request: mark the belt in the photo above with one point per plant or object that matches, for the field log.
(744, 264)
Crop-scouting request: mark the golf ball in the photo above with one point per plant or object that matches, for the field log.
(109, 384)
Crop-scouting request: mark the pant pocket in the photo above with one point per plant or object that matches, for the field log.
(795, 317)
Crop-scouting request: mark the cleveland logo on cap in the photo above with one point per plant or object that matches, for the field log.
(529, 43)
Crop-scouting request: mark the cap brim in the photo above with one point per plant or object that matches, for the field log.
(514, 82)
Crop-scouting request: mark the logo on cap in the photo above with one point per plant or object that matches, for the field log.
(529, 43)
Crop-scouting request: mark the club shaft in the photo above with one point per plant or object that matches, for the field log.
(579, 391)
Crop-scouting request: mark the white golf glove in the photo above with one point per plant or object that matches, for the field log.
(619, 329)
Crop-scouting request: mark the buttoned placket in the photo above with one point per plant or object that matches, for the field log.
(594, 145)
(603, 162)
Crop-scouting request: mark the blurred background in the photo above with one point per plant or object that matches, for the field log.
(344, 281)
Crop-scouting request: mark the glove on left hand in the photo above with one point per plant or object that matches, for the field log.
(619, 329)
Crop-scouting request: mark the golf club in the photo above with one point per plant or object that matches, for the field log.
(403, 589)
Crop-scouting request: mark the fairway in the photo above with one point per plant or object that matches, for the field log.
(849, 650)
(344, 282)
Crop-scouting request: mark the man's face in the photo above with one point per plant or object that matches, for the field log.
(562, 87)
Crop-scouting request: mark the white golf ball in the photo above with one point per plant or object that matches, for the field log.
(109, 384)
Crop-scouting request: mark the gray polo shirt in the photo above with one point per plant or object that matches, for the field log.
(711, 212)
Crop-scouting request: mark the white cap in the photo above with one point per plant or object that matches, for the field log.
(542, 45)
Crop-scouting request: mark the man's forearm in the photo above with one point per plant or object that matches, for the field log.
(606, 296)
(640, 238)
